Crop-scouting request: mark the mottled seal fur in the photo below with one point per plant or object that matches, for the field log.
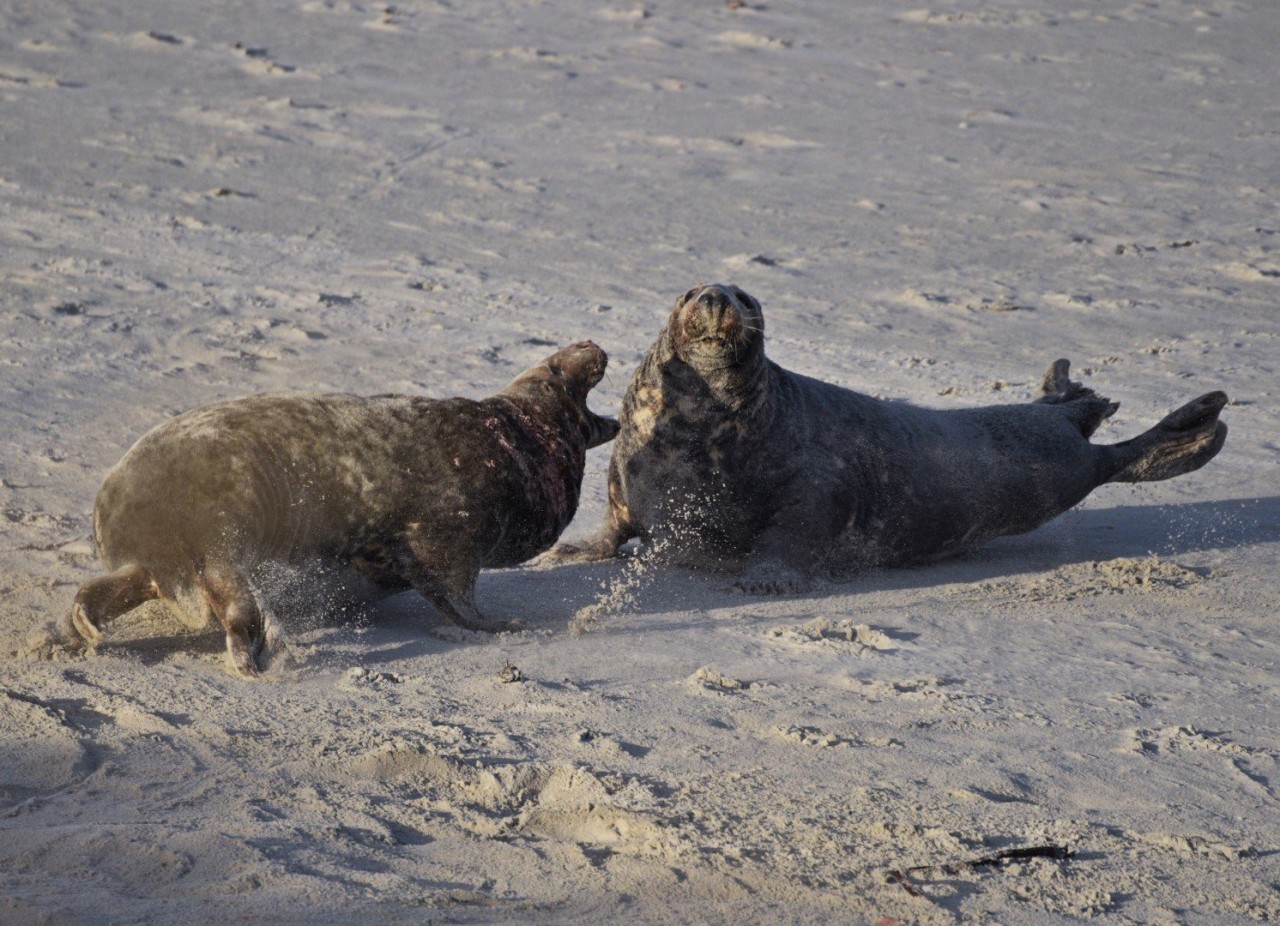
(726, 459)
(399, 491)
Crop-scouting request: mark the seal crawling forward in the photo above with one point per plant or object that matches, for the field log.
(726, 459)
(397, 491)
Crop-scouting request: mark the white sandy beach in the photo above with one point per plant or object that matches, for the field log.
(199, 201)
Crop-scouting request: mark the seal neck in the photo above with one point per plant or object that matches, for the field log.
(739, 386)
(742, 389)
(571, 421)
(755, 390)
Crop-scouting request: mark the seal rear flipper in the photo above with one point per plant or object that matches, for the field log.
(1084, 407)
(1184, 441)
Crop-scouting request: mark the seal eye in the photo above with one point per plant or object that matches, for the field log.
(555, 370)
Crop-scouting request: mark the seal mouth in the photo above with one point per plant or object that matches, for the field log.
(717, 321)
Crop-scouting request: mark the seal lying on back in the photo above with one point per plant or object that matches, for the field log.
(404, 492)
(725, 459)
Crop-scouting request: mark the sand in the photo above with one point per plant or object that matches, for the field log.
(931, 202)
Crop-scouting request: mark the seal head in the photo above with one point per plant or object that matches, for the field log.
(715, 326)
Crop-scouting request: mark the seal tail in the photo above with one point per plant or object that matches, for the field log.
(1184, 441)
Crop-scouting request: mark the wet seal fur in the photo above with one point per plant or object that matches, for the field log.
(727, 460)
(398, 491)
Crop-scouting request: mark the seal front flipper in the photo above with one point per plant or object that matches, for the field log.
(460, 607)
(604, 545)
(613, 533)
(100, 601)
(445, 574)
(1185, 440)
(773, 577)
(601, 429)
(1086, 409)
(777, 565)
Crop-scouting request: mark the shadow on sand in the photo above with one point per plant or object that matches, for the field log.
(545, 599)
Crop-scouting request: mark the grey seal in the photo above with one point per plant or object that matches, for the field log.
(398, 491)
(725, 459)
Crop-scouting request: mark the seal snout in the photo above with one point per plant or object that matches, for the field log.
(718, 317)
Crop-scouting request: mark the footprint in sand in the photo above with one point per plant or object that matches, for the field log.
(822, 739)
(842, 634)
(1256, 767)
(42, 751)
(708, 679)
(1188, 738)
(1124, 575)
(561, 803)
(922, 688)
